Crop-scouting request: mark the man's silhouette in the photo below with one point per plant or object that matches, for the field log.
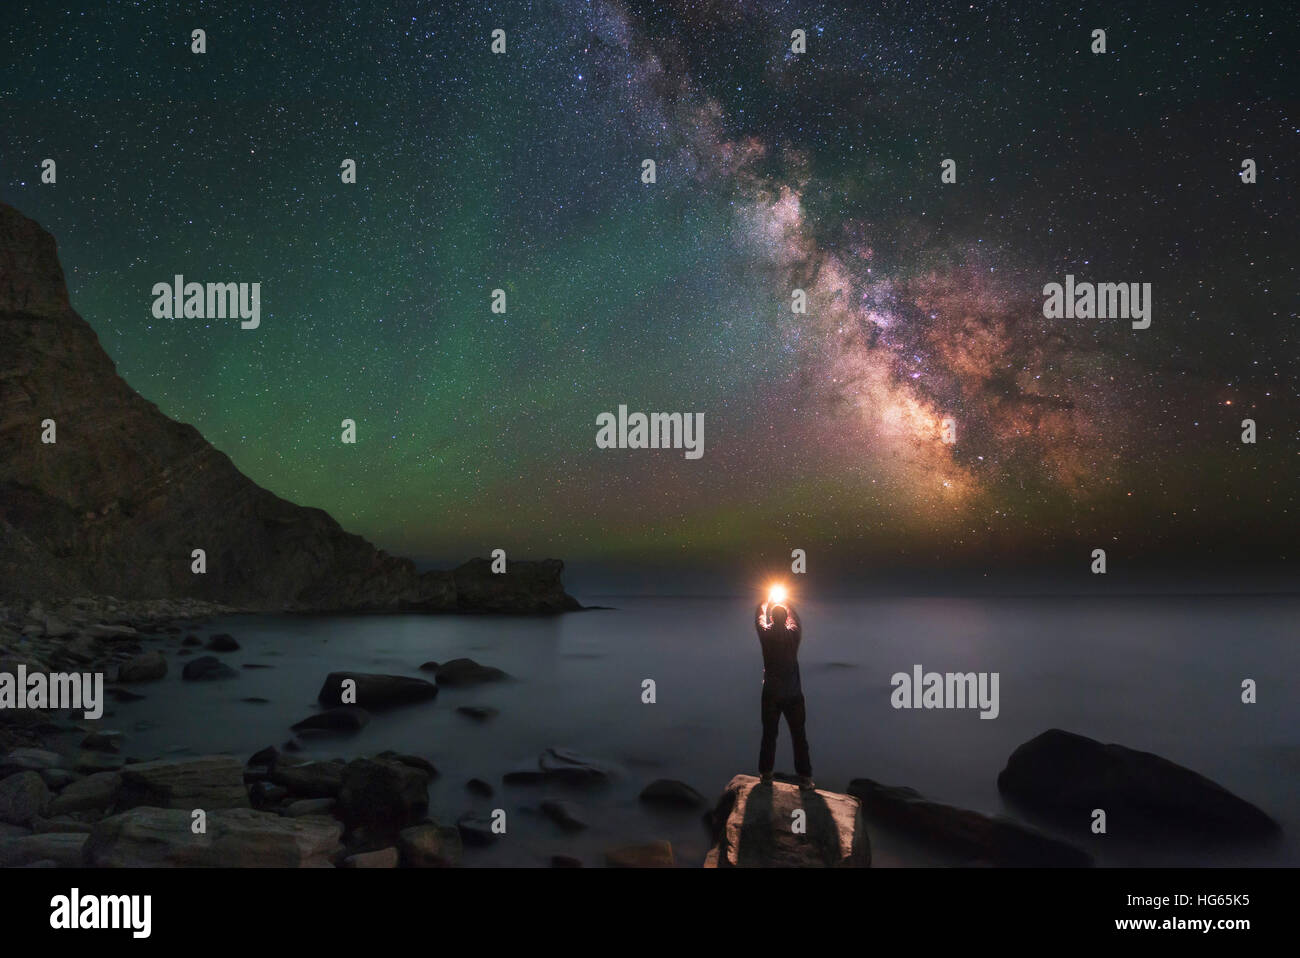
(779, 634)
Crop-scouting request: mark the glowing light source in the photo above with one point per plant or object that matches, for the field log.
(776, 594)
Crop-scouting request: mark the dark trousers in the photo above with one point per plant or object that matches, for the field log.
(792, 707)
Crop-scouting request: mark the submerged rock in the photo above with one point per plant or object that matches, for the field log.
(962, 832)
(342, 718)
(223, 642)
(1064, 776)
(671, 793)
(206, 668)
(753, 827)
(375, 691)
(461, 672)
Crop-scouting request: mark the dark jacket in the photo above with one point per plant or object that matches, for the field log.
(780, 654)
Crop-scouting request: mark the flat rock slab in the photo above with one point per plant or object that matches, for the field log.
(374, 691)
(207, 782)
(648, 855)
(755, 827)
(235, 838)
(65, 849)
(966, 834)
(1064, 776)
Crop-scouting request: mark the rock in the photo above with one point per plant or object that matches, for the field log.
(98, 792)
(57, 778)
(112, 632)
(264, 794)
(267, 757)
(648, 855)
(341, 718)
(428, 845)
(255, 700)
(475, 830)
(1063, 777)
(751, 828)
(382, 795)
(65, 849)
(480, 713)
(88, 763)
(34, 759)
(428, 666)
(61, 823)
(562, 765)
(191, 640)
(124, 695)
(479, 787)
(964, 833)
(8, 831)
(565, 861)
(145, 667)
(524, 776)
(310, 806)
(23, 797)
(223, 642)
(103, 742)
(461, 672)
(565, 814)
(415, 761)
(235, 838)
(671, 793)
(205, 668)
(310, 779)
(376, 691)
(207, 782)
(383, 858)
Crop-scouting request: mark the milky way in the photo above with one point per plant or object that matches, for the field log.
(775, 172)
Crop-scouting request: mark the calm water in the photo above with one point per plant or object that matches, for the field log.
(1160, 674)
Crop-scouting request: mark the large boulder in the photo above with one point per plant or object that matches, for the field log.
(754, 827)
(1064, 777)
(206, 782)
(235, 838)
(382, 795)
(965, 834)
(375, 691)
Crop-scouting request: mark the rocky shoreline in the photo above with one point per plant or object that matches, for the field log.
(72, 796)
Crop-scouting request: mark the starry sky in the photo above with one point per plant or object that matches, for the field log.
(775, 171)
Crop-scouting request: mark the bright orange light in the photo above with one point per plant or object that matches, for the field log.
(776, 594)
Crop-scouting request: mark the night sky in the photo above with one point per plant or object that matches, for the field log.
(775, 171)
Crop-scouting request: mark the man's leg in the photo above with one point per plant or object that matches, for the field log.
(795, 717)
(771, 715)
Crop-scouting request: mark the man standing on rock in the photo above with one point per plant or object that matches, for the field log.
(779, 633)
